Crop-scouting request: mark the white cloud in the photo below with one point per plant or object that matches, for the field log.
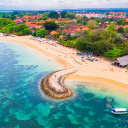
(61, 4)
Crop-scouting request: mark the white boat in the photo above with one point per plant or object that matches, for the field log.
(119, 111)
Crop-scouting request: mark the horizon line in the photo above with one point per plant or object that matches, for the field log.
(60, 9)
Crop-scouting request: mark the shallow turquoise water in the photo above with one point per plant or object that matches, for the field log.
(22, 104)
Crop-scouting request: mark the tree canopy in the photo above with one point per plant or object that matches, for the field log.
(9, 27)
(70, 15)
(120, 30)
(50, 25)
(120, 21)
(114, 53)
(91, 23)
(44, 16)
(53, 15)
(63, 14)
(39, 33)
(13, 17)
(111, 27)
(94, 42)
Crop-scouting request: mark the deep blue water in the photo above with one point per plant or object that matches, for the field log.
(23, 105)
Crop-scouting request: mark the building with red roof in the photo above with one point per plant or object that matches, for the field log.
(117, 15)
(73, 27)
(35, 26)
(18, 21)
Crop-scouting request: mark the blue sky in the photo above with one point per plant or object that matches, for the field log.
(60, 4)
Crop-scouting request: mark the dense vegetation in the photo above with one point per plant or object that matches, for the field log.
(50, 25)
(9, 27)
(105, 42)
(44, 16)
(53, 15)
(39, 33)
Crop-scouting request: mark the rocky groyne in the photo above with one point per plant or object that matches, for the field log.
(53, 84)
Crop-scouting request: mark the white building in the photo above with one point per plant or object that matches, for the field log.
(92, 15)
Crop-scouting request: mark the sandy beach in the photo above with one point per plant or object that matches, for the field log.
(100, 71)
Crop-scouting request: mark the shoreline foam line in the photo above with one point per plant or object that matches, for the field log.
(53, 84)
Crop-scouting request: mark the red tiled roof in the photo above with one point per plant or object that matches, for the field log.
(35, 16)
(126, 19)
(35, 26)
(72, 27)
(117, 12)
(67, 31)
(26, 16)
(75, 31)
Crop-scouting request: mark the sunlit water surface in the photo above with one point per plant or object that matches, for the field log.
(22, 104)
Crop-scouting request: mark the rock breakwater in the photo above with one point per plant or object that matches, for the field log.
(53, 84)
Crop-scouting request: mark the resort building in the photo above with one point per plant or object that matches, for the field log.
(71, 29)
(122, 61)
(89, 15)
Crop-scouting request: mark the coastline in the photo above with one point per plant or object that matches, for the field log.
(64, 63)
(97, 80)
(109, 74)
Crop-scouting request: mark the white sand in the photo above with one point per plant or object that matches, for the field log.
(101, 70)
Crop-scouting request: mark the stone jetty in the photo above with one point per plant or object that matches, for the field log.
(53, 84)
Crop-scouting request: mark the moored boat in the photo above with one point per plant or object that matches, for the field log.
(119, 111)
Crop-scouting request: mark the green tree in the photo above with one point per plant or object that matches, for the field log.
(63, 14)
(44, 16)
(53, 15)
(120, 30)
(115, 53)
(12, 17)
(110, 20)
(85, 22)
(111, 28)
(125, 30)
(120, 21)
(68, 37)
(4, 29)
(81, 44)
(27, 31)
(8, 26)
(94, 42)
(79, 20)
(20, 33)
(126, 49)
(50, 25)
(91, 23)
(40, 32)
(3, 15)
(22, 27)
(56, 36)
(70, 15)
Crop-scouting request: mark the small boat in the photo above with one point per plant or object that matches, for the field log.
(119, 111)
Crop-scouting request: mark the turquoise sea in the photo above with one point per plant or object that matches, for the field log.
(23, 105)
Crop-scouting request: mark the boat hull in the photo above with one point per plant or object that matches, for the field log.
(119, 113)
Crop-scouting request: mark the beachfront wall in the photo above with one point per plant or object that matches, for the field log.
(122, 61)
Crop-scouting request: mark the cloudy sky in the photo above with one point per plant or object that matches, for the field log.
(60, 4)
